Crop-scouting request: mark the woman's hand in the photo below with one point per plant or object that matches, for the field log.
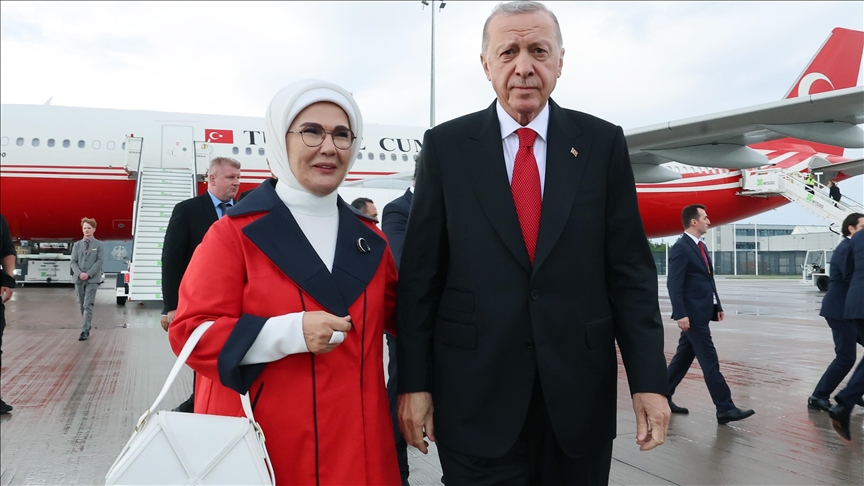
(318, 328)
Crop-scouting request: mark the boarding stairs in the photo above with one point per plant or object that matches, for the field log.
(790, 184)
(157, 191)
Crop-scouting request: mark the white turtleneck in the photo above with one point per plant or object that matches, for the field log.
(318, 218)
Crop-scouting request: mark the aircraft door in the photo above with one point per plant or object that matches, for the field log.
(178, 147)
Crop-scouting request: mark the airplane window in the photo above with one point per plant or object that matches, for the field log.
(65, 143)
(50, 142)
(359, 156)
(248, 150)
(368, 156)
(96, 144)
(123, 146)
(110, 145)
(4, 141)
(405, 157)
(393, 157)
(235, 150)
(35, 142)
(382, 157)
(19, 142)
(260, 151)
(81, 144)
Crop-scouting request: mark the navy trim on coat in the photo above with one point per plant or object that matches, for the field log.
(231, 373)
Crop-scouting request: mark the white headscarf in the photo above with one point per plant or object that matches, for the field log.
(286, 105)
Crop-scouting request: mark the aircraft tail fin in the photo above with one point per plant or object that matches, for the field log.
(835, 66)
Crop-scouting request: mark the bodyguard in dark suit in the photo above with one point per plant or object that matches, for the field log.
(498, 324)
(394, 222)
(189, 222)
(846, 333)
(695, 303)
(7, 285)
(854, 311)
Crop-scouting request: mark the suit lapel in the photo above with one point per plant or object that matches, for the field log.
(564, 178)
(208, 208)
(280, 238)
(693, 246)
(488, 173)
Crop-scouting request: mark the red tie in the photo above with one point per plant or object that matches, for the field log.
(525, 187)
(704, 256)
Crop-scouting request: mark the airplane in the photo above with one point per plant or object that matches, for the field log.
(61, 163)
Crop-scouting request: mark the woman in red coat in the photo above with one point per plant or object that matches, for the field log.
(300, 288)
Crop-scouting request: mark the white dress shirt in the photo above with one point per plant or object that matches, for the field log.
(510, 140)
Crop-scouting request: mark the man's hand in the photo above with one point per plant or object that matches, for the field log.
(168, 319)
(6, 293)
(720, 316)
(318, 328)
(83, 276)
(684, 324)
(652, 419)
(415, 419)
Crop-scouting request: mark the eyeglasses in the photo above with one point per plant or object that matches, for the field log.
(314, 135)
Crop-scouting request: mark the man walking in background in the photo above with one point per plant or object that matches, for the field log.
(694, 304)
(88, 255)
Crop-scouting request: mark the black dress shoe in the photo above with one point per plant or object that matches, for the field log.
(84, 336)
(677, 409)
(188, 406)
(814, 403)
(733, 415)
(5, 408)
(840, 420)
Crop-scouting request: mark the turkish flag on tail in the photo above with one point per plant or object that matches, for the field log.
(219, 136)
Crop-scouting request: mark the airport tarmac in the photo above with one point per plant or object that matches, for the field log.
(76, 402)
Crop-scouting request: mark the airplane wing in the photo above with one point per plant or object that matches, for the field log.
(850, 168)
(720, 140)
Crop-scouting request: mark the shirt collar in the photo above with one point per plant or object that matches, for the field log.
(695, 240)
(539, 124)
(216, 201)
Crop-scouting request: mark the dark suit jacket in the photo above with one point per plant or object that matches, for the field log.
(834, 301)
(691, 287)
(189, 221)
(854, 273)
(394, 222)
(477, 323)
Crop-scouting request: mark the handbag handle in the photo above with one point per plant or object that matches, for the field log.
(178, 365)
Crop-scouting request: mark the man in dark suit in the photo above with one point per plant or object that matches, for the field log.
(513, 294)
(695, 302)
(7, 285)
(846, 333)
(189, 222)
(394, 222)
(854, 311)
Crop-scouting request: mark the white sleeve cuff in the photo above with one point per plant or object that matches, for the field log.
(280, 336)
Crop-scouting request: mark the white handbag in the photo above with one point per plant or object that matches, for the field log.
(193, 448)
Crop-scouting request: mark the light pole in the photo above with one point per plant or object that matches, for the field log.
(432, 61)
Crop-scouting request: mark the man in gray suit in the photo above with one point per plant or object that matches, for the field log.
(88, 255)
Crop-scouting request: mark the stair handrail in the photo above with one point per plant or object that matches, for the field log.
(138, 180)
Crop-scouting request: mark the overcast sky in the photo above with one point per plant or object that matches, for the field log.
(634, 64)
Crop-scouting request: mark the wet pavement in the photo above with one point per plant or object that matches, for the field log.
(76, 402)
